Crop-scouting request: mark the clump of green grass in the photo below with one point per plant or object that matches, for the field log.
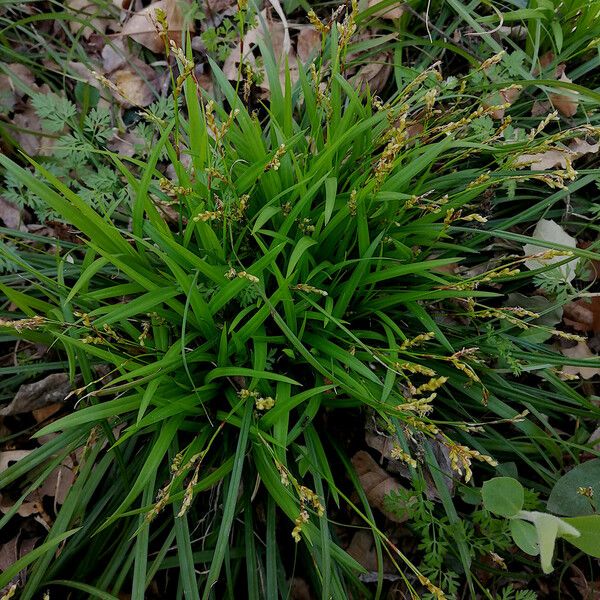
(309, 275)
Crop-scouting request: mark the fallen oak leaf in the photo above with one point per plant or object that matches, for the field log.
(557, 158)
(11, 215)
(42, 414)
(8, 457)
(583, 315)
(362, 548)
(374, 74)
(504, 96)
(143, 27)
(10, 553)
(565, 103)
(377, 484)
(544, 161)
(88, 21)
(29, 134)
(550, 231)
(133, 88)
(581, 350)
(308, 43)
(541, 108)
(580, 147)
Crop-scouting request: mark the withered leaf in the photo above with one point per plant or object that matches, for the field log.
(31, 396)
(143, 28)
(581, 350)
(376, 483)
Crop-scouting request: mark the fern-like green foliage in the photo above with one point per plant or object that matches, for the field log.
(55, 112)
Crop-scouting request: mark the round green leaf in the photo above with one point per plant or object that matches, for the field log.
(525, 536)
(564, 499)
(589, 529)
(503, 496)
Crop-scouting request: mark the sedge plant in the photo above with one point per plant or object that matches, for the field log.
(310, 274)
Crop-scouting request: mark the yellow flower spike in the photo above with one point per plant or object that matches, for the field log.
(398, 454)
(414, 368)
(20, 325)
(303, 287)
(433, 384)
(462, 456)
(417, 341)
(264, 403)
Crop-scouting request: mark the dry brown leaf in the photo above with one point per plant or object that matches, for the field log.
(580, 147)
(135, 88)
(557, 159)
(385, 444)
(114, 56)
(21, 76)
(308, 43)
(11, 552)
(205, 82)
(86, 11)
(8, 98)
(127, 144)
(271, 31)
(11, 215)
(567, 102)
(85, 74)
(31, 396)
(60, 481)
(142, 26)
(299, 589)
(541, 108)
(42, 414)
(505, 96)
(8, 457)
(581, 350)
(286, 44)
(545, 61)
(363, 550)
(374, 74)
(26, 509)
(583, 315)
(232, 62)
(376, 483)
(32, 141)
(544, 161)
(217, 7)
(171, 213)
(395, 11)
(56, 486)
(275, 32)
